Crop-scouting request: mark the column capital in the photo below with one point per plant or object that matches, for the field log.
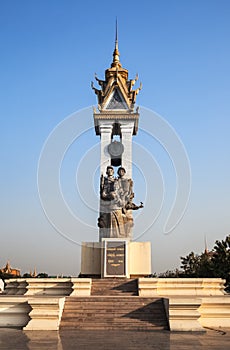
(127, 127)
(106, 128)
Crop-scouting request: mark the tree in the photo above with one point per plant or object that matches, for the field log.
(190, 264)
(209, 264)
(205, 268)
(42, 275)
(195, 265)
(170, 274)
(221, 259)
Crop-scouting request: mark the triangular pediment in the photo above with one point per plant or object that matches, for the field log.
(116, 101)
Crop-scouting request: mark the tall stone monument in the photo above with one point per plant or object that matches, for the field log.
(116, 122)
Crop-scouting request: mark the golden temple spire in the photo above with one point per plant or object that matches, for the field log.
(116, 37)
(116, 54)
(117, 91)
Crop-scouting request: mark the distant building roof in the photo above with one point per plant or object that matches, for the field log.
(10, 270)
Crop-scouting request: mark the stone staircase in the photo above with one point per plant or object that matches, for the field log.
(114, 286)
(110, 313)
(114, 305)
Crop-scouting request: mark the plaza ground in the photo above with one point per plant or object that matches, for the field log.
(13, 339)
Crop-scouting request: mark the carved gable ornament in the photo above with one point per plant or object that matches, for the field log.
(116, 92)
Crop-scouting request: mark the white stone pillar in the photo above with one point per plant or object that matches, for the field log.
(106, 135)
(126, 137)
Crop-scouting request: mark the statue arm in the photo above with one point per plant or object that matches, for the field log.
(132, 206)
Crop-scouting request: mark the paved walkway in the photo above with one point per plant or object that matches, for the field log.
(11, 339)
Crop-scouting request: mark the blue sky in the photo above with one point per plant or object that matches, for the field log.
(50, 51)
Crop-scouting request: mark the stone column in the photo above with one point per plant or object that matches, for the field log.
(106, 134)
(126, 137)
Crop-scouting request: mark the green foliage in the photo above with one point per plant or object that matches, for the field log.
(190, 264)
(170, 274)
(42, 275)
(213, 264)
(27, 275)
(221, 259)
(195, 265)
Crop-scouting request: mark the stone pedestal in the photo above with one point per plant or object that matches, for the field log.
(133, 260)
(91, 258)
(140, 259)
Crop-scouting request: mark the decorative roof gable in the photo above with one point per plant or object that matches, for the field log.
(116, 101)
(116, 91)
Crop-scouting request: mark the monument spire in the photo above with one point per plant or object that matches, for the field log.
(116, 53)
(116, 38)
(117, 91)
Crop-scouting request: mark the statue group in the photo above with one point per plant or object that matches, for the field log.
(116, 205)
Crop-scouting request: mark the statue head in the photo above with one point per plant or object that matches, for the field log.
(109, 170)
(121, 171)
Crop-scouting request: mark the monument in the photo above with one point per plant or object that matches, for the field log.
(180, 304)
(116, 122)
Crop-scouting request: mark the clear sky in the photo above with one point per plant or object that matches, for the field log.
(50, 51)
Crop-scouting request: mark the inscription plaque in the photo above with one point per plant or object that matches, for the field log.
(115, 258)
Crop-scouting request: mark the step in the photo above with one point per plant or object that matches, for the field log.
(101, 309)
(110, 313)
(108, 298)
(116, 321)
(115, 325)
(113, 286)
(124, 318)
(118, 326)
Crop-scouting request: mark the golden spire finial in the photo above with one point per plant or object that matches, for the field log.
(116, 54)
(116, 38)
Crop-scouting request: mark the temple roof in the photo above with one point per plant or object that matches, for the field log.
(116, 91)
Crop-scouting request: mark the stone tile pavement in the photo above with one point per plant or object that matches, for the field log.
(12, 339)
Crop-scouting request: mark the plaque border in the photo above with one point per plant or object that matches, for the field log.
(104, 250)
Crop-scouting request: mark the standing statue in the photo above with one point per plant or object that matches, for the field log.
(116, 194)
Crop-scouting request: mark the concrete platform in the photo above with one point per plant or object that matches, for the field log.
(11, 339)
(190, 304)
